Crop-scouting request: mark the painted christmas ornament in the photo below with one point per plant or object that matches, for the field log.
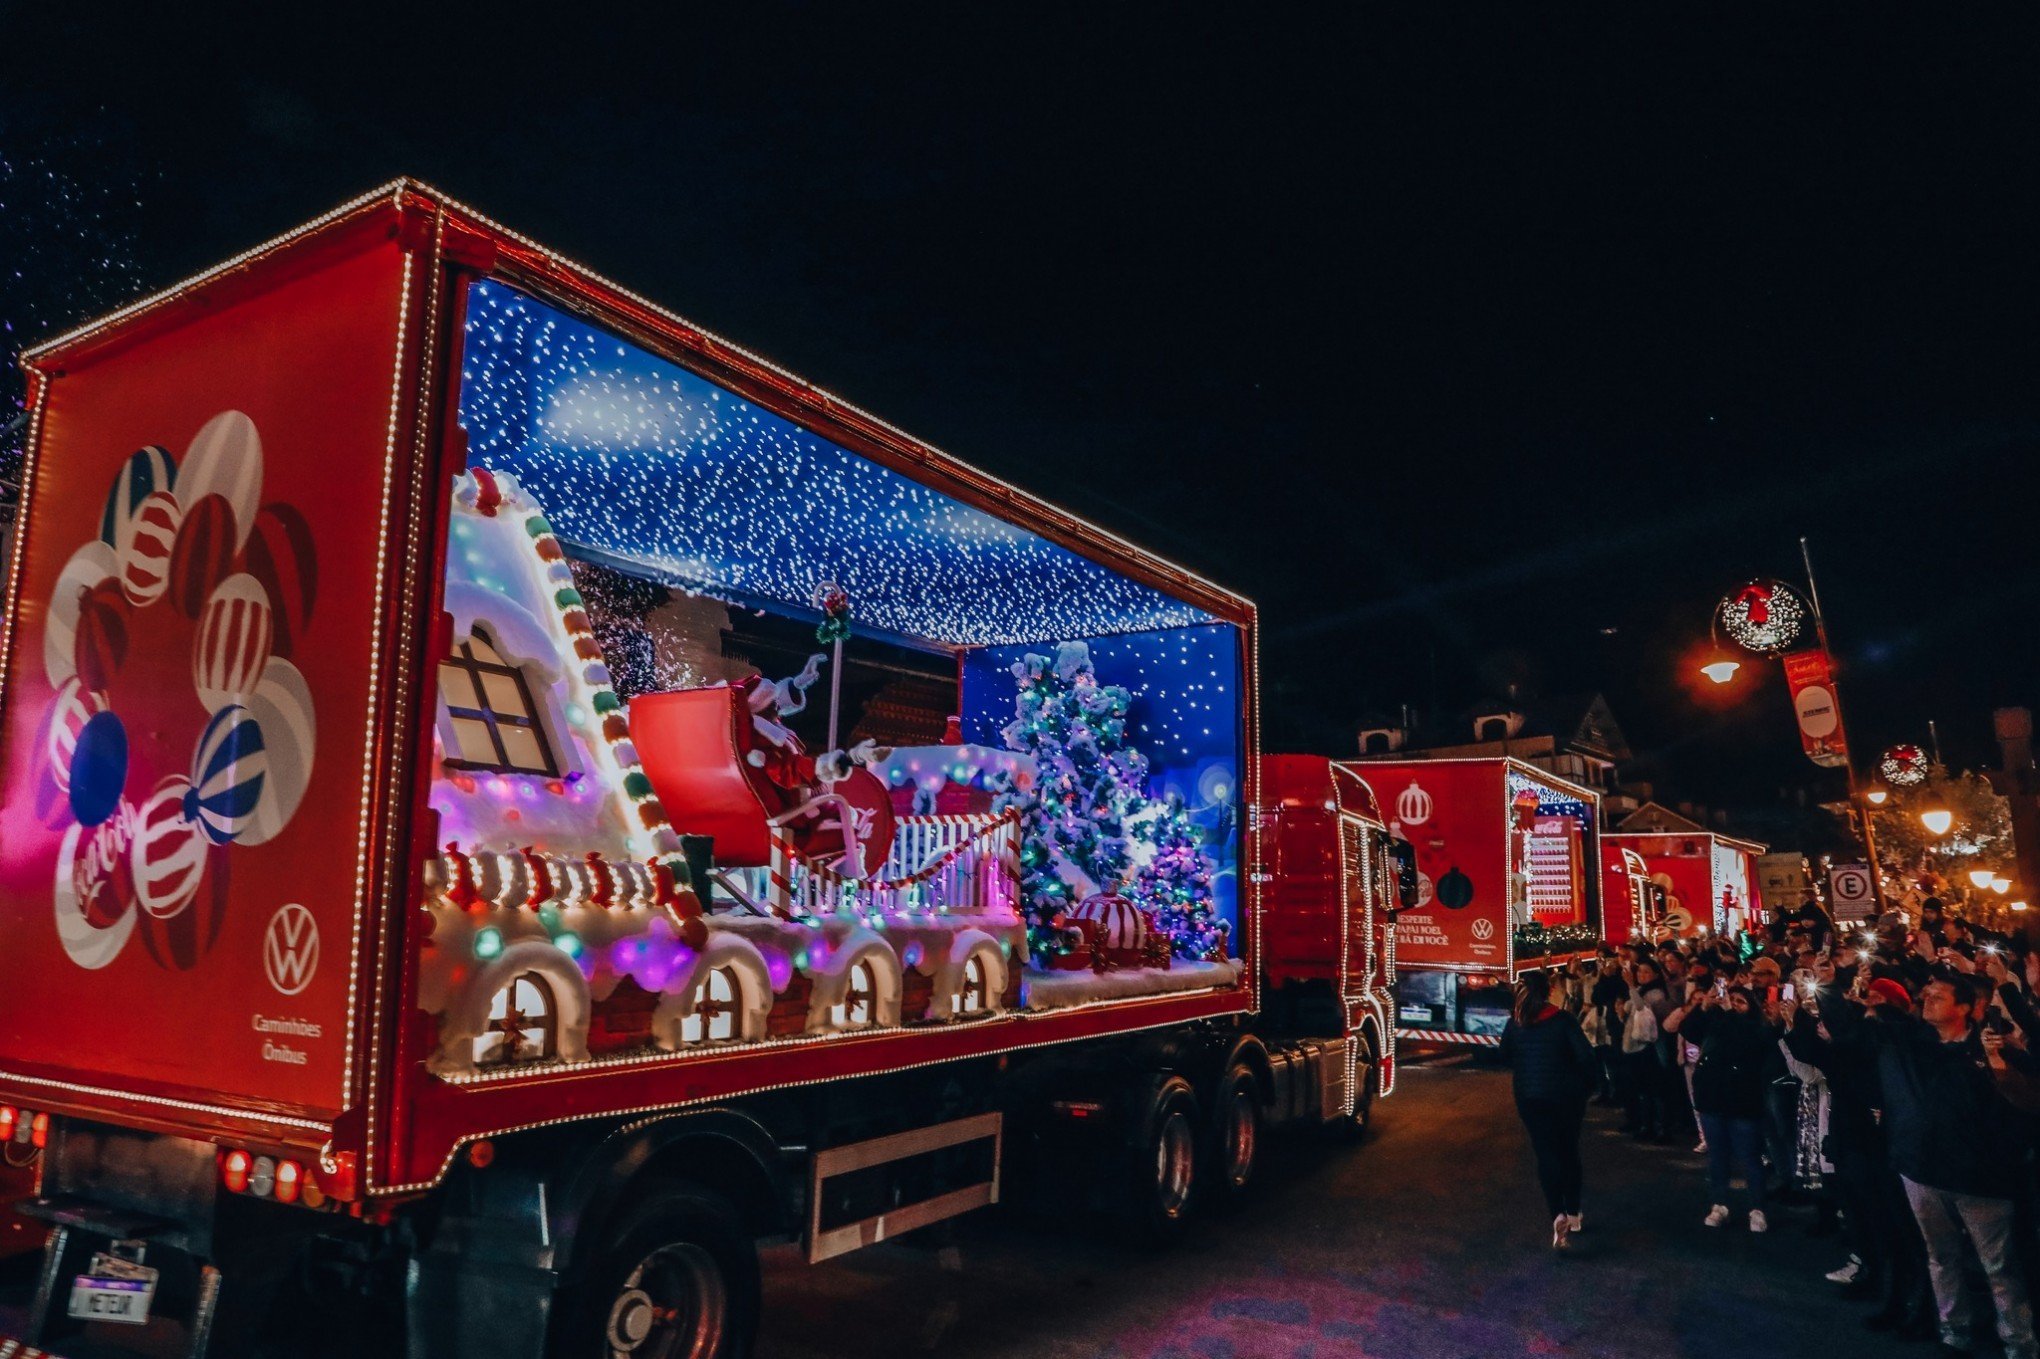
(99, 765)
(86, 944)
(88, 566)
(225, 459)
(1904, 766)
(227, 774)
(168, 853)
(1122, 928)
(1455, 889)
(282, 708)
(204, 554)
(147, 471)
(101, 645)
(279, 554)
(232, 647)
(72, 708)
(105, 888)
(146, 541)
(1764, 616)
(1413, 806)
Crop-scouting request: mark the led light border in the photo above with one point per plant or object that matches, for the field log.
(365, 831)
(193, 1106)
(1023, 499)
(392, 190)
(677, 1106)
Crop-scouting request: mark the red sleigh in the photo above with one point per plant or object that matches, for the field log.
(723, 766)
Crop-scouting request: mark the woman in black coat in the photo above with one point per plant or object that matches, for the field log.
(1739, 1057)
(1553, 1071)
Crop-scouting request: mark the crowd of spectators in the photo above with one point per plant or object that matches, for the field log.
(1885, 1077)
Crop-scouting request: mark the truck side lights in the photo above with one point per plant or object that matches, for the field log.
(9, 1118)
(262, 1177)
(290, 1179)
(1078, 1108)
(481, 1155)
(40, 1135)
(234, 1168)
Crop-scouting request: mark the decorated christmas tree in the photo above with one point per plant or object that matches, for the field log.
(1175, 884)
(1087, 783)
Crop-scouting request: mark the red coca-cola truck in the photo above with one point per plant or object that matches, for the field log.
(511, 799)
(1508, 879)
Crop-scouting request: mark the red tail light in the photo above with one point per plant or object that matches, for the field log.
(9, 1115)
(41, 1134)
(234, 1167)
(290, 1177)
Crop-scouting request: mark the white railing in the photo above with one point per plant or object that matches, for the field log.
(961, 865)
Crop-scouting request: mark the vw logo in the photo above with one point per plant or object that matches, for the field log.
(1483, 929)
(290, 949)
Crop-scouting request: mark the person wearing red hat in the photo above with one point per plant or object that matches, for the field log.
(1885, 991)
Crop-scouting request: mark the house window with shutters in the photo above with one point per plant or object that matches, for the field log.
(492, 716)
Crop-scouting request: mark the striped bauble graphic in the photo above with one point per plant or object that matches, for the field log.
(168, 852)
(227, 773)
(225, 459)
(232, 646)
(72, 708)
(145, 546)
(146, 472)
(282, 705)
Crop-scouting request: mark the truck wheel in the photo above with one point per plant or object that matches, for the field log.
(1235, 1134)
(1162, 1180)
(679, 1280)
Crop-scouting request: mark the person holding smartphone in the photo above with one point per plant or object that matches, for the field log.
(1739, 1057)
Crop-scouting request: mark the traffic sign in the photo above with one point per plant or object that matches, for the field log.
(1851, 892)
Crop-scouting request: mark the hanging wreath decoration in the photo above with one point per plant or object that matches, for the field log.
(1904, 766)
(1764, 616)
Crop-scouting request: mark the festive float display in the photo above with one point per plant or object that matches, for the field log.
(614, 867)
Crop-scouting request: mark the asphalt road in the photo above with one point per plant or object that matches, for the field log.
(1427, 1240)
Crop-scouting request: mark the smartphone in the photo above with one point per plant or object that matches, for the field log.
(1790, 992)
(1771, 994)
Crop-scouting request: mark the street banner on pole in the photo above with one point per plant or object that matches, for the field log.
(1810, 674)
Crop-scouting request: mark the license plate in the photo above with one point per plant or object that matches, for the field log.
(121, 1300)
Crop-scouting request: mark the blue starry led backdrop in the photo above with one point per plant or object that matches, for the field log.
(644, 464)
(1185, 717)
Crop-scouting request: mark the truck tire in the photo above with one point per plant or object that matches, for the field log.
(1162, 1178)
(1234, 1136)
(678, 1279)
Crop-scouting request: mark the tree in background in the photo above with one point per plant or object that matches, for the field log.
(1907, 853)
(1087, 783)
(1175, 883)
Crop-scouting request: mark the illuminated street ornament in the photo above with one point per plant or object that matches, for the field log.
(1904, 766)
(1721, 671)
(1764, 616)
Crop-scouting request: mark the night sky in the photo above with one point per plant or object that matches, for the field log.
(1479, 346)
